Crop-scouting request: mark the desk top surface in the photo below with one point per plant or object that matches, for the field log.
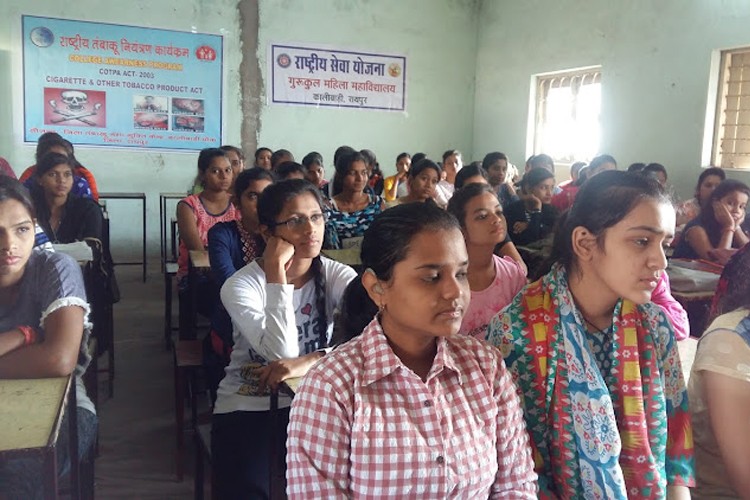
(124, 196)
(31, 412)
(293, 384)
(199, 258)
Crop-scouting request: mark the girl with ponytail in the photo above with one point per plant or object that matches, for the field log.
(281, 307)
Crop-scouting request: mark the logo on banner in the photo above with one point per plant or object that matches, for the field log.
(42, 37)
(284, 60)
(205, 53)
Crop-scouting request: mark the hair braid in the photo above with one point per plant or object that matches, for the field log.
(320, 300)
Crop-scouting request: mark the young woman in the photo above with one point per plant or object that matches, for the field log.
(707, 182)
(422, 180)
(473, 173)
(568, 190)
(374, 174)
(44, 327)
(496, 165)
(263, 158)
(718, 228)
(198, 213)
(409, 409)
(231, 246)
(316, 172)
(493, 280)
(596, 362)
(84, 185)
(352, 210)
(236, 158)
(282, 310)
(720, 389)
(64, 217)
(452, 165)
(533, 218)
(395, 185)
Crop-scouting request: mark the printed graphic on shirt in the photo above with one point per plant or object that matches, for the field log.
(311, 333)
(251, 381)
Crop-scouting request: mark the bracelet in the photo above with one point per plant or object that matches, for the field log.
(29, 334)
(728, 230)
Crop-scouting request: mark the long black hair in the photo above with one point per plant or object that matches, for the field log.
(270, 204)
(11, 189)
(602, 202)
(247, 176)
(733, 291)
(385, 244)
(708, 216)
(343, 165)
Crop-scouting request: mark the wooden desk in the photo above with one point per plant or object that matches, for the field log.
(197, 262)
(697, 305)
(142, 198)
(31, 414)
(163, 222)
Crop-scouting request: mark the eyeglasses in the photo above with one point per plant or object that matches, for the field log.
(299, 221)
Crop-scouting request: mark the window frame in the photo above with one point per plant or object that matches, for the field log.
(721, 78)
(541, 83)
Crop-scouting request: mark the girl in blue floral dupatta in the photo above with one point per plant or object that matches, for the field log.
(595, 360)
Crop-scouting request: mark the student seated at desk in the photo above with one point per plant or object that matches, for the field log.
(84, 185)
(198, 213)
(532, 218)
(231, 246)
(395, 186)
(64, 216)
(493, 280)
(316, 172)
(351, 209)
(476, 174)
(282, 308)
(44, 327)
(596, 363)
(422, 180)
(407, 408)
(719, 390)
(719, 226)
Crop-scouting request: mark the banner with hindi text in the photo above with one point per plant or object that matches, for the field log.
(312, 76)
(121, 86)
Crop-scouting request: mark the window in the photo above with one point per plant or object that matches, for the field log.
(567, 115)
(731, 141)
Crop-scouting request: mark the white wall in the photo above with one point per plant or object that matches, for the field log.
(655, 58)
(438, 38)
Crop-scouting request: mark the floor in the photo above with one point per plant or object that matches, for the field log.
(136, 436)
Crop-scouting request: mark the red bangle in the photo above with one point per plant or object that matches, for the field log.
(29, 334)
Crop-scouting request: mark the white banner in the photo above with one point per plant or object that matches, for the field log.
(337, 78)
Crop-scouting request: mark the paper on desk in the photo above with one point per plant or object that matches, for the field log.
(691, 280)
(79, 250)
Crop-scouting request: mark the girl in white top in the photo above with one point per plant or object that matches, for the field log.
(282, 313)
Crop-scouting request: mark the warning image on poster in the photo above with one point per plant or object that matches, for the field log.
(121, 86)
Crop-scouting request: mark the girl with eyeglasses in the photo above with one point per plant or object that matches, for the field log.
(281, 307)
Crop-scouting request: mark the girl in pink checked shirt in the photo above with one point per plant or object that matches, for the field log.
(493, 280)
(408, 408)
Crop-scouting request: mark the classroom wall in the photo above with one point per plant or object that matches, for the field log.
(438, 38)
(655, 59)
